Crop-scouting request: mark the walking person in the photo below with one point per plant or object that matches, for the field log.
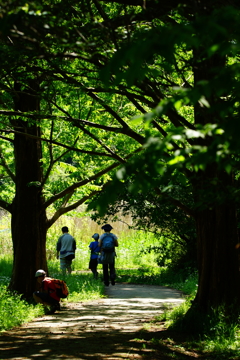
(66, 247)
(107, 244)
(95, 250)
(47, 294)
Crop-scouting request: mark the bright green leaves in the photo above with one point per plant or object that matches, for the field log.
(142, 47)
(177, 80)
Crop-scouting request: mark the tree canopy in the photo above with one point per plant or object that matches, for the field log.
(88, 86)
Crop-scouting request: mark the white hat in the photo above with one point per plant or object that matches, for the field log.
(40, 273)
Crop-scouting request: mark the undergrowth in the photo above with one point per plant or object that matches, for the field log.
(184, 280)
(215, 333)
(15, 311)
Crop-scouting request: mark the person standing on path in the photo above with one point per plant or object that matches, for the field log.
(66, 247)
(47, 295)
(95, 250)
(107, 244)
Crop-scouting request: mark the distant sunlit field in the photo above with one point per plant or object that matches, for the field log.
(129, 253)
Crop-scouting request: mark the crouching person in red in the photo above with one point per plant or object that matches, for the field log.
(47, 294)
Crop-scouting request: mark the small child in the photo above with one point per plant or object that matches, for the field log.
(95, 250)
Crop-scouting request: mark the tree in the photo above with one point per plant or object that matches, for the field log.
(196, 123)
(152, 63)
(151, 213)
(43, 157)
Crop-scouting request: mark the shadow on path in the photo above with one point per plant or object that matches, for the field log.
(103, 329)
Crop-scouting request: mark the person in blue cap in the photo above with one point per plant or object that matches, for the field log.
(95, 250)
(107, 244)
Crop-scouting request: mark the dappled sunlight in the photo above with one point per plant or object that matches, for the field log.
(114, 322)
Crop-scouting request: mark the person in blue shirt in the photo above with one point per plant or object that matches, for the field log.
(95, 249)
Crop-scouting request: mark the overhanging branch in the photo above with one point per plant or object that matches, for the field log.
(89, 152)
(73, 206)
(79, 184)
(86, 181)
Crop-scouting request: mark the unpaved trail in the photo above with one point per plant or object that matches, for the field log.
(108, 328)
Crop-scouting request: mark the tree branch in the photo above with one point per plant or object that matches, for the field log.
(86, 181)
(176, 202)
(5, 138)
(52, 162)
(55, 117)
(79, 184)
(114, 156)
(84, 130)
(64, 210)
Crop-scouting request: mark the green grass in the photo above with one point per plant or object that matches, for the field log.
(15, 311)
(213, 334)
(82, 286)
(5, 269)
(183, 280)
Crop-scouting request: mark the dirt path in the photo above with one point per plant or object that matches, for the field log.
(103, 329)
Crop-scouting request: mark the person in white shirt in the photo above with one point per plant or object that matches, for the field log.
(66, 247)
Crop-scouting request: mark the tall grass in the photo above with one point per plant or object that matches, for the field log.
(129, 252)
(5, 269)
(5, 235)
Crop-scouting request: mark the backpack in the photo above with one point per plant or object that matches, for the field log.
(106, 257)
(108, 243)
(61, 288)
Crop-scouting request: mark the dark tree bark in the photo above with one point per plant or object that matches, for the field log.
(28, 213)
(217, 237)
(216, 220)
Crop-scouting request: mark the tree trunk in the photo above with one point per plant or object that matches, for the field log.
(216, 219)
(28, 214)
(217, 237)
